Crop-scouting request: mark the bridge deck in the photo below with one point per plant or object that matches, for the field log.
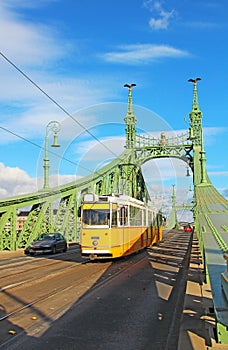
(196, 324)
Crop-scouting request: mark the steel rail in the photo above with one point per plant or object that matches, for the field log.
(61, 289)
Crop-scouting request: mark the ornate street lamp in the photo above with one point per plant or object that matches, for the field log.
(53, 126)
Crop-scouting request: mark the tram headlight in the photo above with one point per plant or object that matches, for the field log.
(95, 243)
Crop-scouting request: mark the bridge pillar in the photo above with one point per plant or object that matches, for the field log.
(130, 120)
(196, 135)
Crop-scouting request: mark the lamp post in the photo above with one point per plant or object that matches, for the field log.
(174, 207)
(53, 126)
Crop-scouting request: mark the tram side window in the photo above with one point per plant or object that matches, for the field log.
(160, 220)
(86, 217)
(135, 216)
(148, 218)
(123, 215)
(114, 218)
(151, 221)
(144, 218)
(157, 220)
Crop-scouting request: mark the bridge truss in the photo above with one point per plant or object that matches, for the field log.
(57, 209)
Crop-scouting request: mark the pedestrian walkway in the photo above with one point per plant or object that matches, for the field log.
(198, 319)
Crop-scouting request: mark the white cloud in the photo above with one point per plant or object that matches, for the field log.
(161, 23)
(163, 18)
(143, 53)
(36, 49)
(15, 181)
(26, 43)
(213, 130)
(93, 150)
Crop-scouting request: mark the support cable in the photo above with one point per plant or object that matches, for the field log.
(55, 102)
(35, 144)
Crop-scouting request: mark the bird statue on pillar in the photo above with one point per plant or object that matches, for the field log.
(194, 80)
(129, 86)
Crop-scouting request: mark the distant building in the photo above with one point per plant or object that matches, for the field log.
(21, 219)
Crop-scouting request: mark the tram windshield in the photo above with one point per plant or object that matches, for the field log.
(94, 217)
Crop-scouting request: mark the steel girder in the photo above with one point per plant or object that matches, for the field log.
(57, 209)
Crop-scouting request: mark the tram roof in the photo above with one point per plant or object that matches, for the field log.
(112, 198)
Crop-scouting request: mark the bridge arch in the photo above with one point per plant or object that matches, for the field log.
(161, 178)
(122, 175)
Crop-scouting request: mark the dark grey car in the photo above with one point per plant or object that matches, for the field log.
(47, 243)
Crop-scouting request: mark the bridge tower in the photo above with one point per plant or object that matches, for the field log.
(196, 136)
(130, 120)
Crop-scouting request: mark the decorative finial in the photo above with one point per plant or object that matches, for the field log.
(195, 97)
(194, 80)
(130, 107)
(129, 86)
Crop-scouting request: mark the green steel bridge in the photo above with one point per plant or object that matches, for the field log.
(124, 175)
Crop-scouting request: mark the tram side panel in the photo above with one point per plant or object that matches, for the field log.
(119, 241)
(135, 239)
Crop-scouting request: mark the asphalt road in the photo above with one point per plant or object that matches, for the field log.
(138, 310)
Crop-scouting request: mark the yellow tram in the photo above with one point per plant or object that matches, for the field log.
(117, 225)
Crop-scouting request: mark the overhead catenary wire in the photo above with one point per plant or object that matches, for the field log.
(55, 102)
(61, 108)
(35, 144)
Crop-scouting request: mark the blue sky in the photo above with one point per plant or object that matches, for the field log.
(81, 53)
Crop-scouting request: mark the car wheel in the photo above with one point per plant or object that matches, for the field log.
(54, 249)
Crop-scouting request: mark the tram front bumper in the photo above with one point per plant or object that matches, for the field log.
(96, 253)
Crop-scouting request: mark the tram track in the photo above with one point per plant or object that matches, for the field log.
(21, 283)
(52, 262)
(9, 263)
(42, 298)
(77, 285)
(44, 276)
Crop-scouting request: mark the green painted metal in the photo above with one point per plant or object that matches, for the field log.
(58, 208)
(119, 175)
(222, 333)
(130, 120)
(172, 220)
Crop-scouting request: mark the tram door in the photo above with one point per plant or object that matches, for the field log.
(124, 234)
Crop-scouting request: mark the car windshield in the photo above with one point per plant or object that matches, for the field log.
(45, 236)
